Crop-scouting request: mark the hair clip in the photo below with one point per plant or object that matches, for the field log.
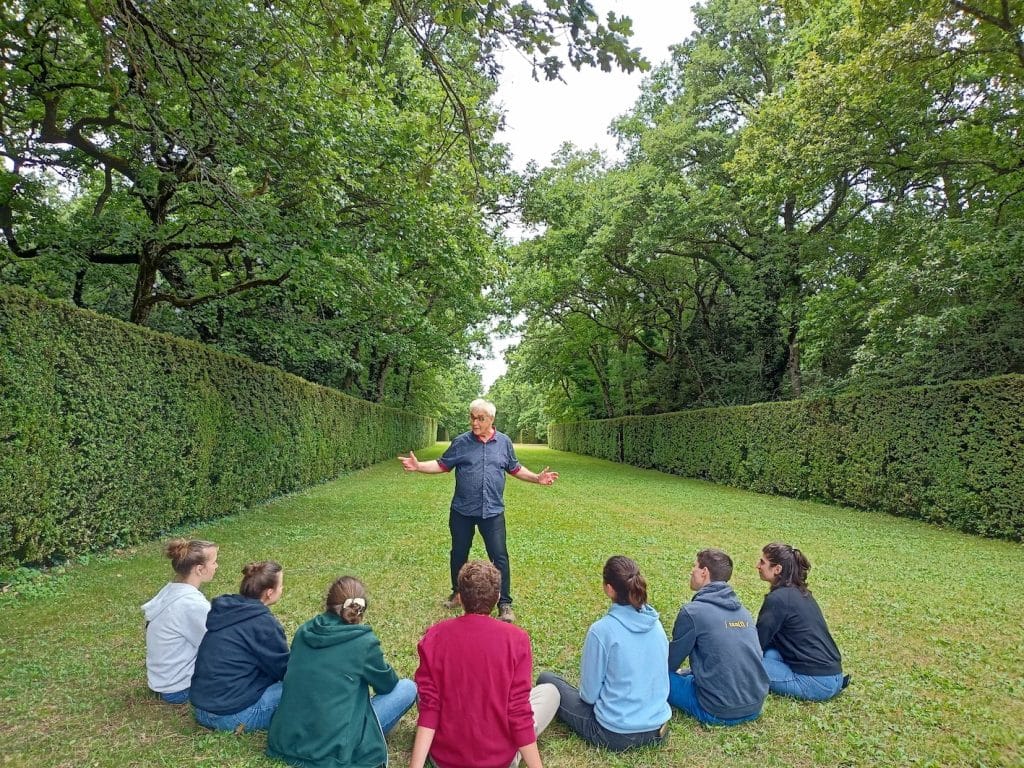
(349, 601)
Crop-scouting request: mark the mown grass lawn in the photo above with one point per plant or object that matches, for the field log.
(929, 621)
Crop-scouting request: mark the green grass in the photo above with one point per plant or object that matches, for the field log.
(929, 621)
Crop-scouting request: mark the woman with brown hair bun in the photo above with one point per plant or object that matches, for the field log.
(327, 717)
(242, 659)
(800, 656)
(176, 619)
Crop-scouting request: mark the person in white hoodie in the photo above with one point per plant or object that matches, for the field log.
(176, 619)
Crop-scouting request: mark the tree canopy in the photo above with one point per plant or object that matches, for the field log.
(814, 197)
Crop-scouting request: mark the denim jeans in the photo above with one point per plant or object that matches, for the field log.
(389, 707)
(492, 529)
(682, 694)
(785, 682)
(579, 716)
(255, 717)
(176, 697)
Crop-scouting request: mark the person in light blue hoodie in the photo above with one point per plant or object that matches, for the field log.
(726, 683)
(622, 701)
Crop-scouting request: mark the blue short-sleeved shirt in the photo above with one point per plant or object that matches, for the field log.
(480, 469)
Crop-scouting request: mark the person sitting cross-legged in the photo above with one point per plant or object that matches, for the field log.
(621, 701)
(476, 705)
(726, 683)
(800, 656)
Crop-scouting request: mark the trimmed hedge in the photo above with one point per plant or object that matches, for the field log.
(951, 454)
(111, 433)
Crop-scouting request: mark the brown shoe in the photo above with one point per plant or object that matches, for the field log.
(505, 613)
(452, 601)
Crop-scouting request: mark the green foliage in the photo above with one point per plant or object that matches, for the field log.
(110, 434)
(816, 197)
(947, 454)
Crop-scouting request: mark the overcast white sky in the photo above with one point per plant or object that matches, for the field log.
(541, 116)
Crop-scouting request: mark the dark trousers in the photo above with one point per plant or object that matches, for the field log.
(579, 716)
(492, 529)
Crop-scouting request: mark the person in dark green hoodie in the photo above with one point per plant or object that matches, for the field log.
(327, 718)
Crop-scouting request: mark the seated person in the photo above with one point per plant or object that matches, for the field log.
(800, 656)
(237, 682)
(327, 718)
(476, 707)
(621, 701)
(176, 619)
(726, 683)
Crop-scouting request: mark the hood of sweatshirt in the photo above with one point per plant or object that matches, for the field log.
(629, 617)
(328, 629)
(171, 593)
(227, 610)
(718, 593)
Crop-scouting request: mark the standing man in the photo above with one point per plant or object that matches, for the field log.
(480, 458)
(726, 683)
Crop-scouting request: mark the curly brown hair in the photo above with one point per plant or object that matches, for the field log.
(479, 586)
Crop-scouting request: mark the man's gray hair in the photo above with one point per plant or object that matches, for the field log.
(485, 406)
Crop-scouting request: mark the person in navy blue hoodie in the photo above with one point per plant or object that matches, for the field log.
(726, 683)
(242, 659)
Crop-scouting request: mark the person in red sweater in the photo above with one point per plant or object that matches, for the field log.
(476, 705)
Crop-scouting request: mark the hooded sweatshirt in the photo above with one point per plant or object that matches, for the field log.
(622, 672)
(325, 719)
(243, 653)
(719, 636)
(175, 625)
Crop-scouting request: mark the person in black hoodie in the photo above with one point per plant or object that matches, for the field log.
(726, 683)
(242, 659)
(800, 656)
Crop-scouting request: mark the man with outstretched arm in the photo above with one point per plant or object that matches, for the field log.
(480, 458)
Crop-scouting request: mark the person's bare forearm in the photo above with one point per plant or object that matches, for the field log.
(429, 467)
(531, 756)
(421, 746)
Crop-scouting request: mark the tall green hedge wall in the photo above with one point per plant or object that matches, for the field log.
(110, 433)
(951, 454)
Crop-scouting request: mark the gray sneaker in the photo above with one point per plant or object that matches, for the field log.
(505, 613)
(452, 601)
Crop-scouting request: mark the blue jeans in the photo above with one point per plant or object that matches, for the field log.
(785, 682)
(682, 694)
(492, 529)
(176, 697)
(389, 707)
(580, 717)
(255, 717)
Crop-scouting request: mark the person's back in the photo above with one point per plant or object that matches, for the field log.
(327, 717)
(622, 669)
(243, 652)
(477, 706)
(474, 684)
(726, 655)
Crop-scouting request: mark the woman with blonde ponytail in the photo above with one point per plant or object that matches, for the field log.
(176, 619)
(327, 717)
(622, 701)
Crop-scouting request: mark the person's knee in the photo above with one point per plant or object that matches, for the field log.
(406, 688)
